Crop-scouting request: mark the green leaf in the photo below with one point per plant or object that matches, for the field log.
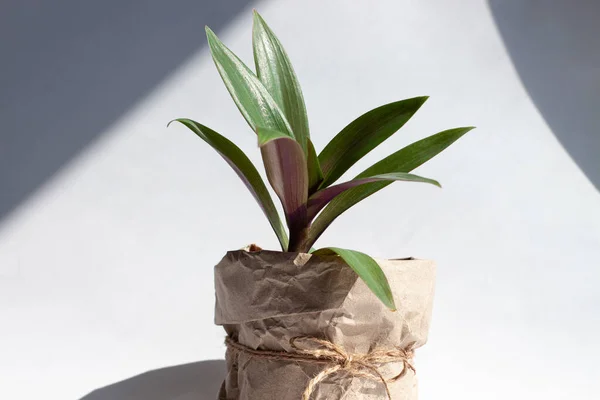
(251, 97)
(285, 164)
(320, 199)
(367, 269)
(364, 134)
(275, 71)
(416, 154)
(404, 160)
(244, 168)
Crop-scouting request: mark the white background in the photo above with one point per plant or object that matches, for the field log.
(106, 268)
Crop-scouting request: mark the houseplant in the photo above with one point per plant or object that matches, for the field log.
(315, 323)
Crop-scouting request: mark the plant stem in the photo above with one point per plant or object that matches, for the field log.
(299, 240)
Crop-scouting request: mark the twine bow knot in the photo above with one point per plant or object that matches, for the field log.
(313, 350)
(362, 365)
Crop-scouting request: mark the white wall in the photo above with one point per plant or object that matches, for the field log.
(106, 270)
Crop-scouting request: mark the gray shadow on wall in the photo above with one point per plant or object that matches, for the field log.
(70, 68)
(555, 48)
(196, 381)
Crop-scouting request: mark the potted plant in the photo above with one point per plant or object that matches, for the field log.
(305, 323)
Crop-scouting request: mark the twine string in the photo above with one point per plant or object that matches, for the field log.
(314, 350)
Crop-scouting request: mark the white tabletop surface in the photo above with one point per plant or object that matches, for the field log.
(106, 267)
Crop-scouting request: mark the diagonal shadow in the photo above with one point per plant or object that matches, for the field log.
(555, 47)
(196, 381)
(70, 68)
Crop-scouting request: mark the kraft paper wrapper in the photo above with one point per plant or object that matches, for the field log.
(264, 298)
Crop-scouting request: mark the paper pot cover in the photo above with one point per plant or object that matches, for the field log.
(265, 298)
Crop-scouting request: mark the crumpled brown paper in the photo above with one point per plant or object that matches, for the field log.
(264, 298)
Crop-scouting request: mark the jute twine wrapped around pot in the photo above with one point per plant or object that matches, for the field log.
(306, 327)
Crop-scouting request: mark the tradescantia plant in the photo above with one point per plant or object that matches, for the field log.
(272, 103)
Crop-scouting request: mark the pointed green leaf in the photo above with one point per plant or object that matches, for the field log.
(364, 134)
(404, 160)
(275, 71)
(320, 199)
(417, 153)
(244, 168)
(367, 269)
(249, 94)
(285, 164)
